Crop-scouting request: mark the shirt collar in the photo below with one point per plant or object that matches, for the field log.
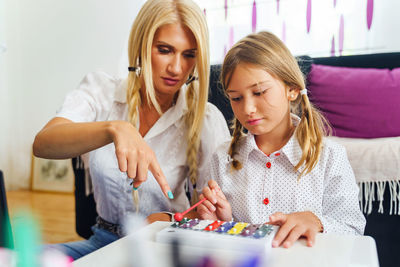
(291, 149)
(171, 116)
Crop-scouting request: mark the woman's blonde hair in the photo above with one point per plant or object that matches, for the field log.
(266, 50)
(153, 15)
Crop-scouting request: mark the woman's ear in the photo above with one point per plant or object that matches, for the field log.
(293, 93)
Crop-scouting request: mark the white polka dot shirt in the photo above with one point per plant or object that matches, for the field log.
(269, 184)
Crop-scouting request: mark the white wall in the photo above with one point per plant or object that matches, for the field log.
(325, 15)
(51, 46)
(3, 93)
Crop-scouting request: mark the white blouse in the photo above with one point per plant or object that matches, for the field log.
(101, 97)
(268, 183)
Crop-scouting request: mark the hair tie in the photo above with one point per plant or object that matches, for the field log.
(135, 69)
(304, 91)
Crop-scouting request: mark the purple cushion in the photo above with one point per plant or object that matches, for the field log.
(359, 103)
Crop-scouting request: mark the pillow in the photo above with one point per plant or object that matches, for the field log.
(358, 102)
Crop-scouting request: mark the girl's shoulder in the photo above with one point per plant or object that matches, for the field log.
(332, 150)
(222, 151)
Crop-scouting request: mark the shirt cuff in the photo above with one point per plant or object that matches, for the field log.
(171, 214)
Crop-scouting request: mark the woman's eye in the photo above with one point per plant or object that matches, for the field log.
(189, 55)
(163, 50)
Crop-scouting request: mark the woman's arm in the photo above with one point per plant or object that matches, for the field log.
(62, 138)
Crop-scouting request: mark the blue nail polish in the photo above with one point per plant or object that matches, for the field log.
(170, 195)
(135, 188)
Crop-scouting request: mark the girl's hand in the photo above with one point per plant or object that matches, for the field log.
(135, 157)
(295, 225)
(216, 207)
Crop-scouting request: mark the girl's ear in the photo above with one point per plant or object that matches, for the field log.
(293, 93)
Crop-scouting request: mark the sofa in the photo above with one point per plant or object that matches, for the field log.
(363, 113)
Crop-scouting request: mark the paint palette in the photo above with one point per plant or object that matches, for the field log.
(219, 234)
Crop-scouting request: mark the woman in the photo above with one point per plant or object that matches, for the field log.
(158, 116)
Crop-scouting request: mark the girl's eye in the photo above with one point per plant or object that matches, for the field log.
(235, 99)
(260, 92)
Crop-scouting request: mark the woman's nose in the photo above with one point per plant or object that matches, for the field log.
(175, 65)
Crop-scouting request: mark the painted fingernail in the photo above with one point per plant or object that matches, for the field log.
(136, 188)
(170, 195)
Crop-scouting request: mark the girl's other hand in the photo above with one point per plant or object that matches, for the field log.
(135, 157)
(216, 207)
(293, 226)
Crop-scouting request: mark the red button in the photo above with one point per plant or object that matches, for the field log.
(268, 165)
(266, 201)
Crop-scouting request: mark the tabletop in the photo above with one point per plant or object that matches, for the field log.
(141, 250)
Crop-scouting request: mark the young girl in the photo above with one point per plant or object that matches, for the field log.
(283, 171)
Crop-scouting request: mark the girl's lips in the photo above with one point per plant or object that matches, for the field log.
(254, 122)
(170, 82)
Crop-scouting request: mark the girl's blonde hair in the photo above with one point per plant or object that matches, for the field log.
(153, 15)
(266, 50)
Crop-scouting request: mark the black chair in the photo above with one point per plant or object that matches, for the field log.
(85, 206)
(6, 238)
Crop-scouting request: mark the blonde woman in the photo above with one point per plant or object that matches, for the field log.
(154, 126)
(283, 171)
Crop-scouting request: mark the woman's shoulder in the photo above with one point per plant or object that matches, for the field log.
(215, 127)
(212, 111)
(101, 82)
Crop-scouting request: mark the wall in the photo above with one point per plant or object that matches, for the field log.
(51, 45)
(3, 92)
(313, 27)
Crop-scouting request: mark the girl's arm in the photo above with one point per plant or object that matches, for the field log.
(62, 138)
(341, 210)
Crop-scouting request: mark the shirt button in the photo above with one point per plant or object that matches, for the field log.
(266, 201)
(268, 165)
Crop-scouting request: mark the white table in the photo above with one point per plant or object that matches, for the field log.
(329, 250)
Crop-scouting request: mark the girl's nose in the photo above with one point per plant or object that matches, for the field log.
(249, 106)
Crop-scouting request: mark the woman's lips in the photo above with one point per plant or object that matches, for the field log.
(170, 81)
(254, 122)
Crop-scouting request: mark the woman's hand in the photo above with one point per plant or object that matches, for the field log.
(135, 157)
(295, 225)
(216, 207)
